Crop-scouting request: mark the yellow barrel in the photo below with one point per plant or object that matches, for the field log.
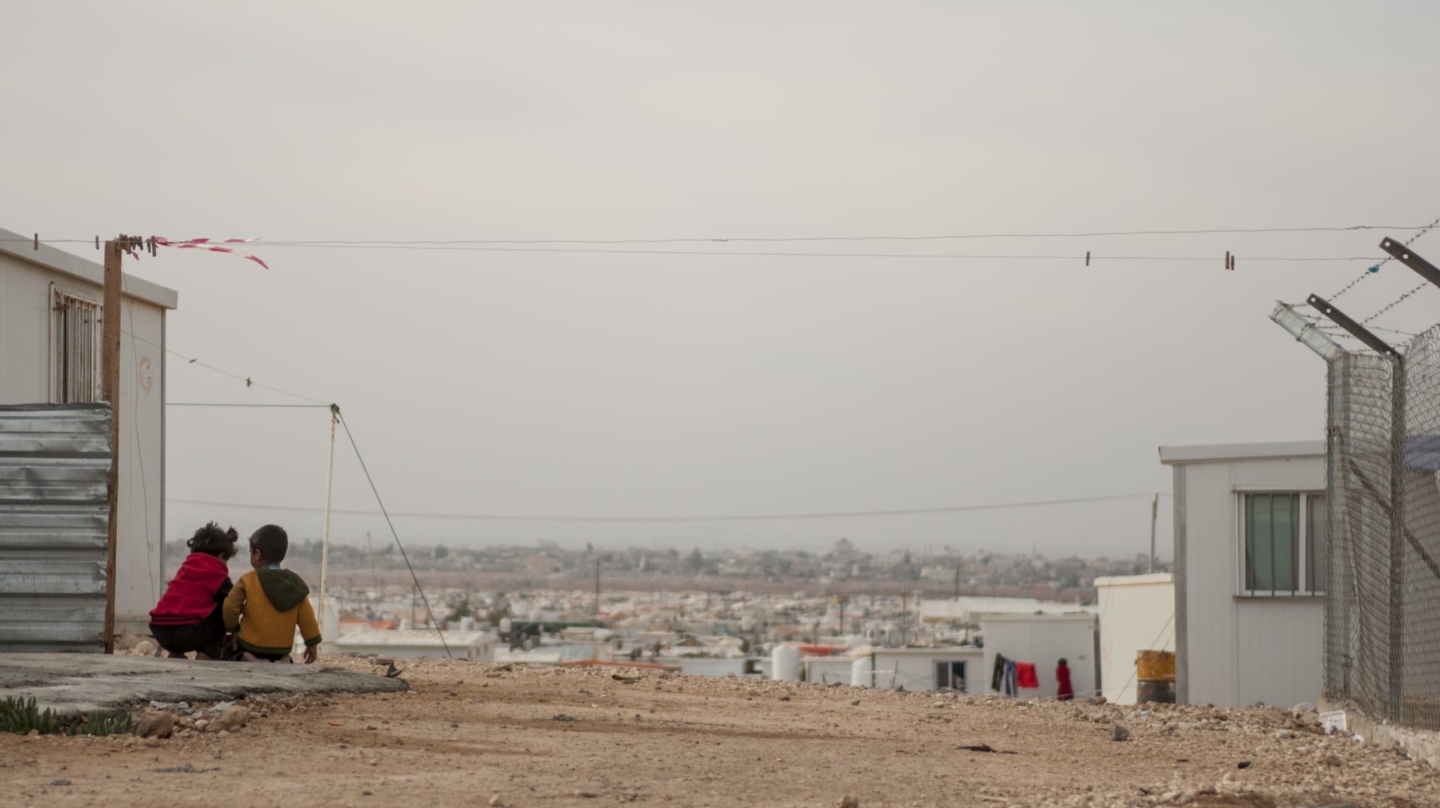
(1155, 676)
(1155, 666)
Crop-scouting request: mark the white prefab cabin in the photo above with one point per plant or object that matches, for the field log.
(1137, 613)
(1043, 640)
(50, 314)
(1250, 549)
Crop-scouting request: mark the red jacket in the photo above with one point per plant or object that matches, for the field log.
(199, 586)
(1065, 692)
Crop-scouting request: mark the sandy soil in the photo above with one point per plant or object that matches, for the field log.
(473, 734)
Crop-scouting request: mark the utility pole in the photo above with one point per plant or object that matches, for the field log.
(329, 490)
(113, 295)
(1154, 514)
(904, 610)
(110, 391)
(597, 586)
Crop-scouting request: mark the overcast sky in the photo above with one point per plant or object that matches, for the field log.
(585, 383)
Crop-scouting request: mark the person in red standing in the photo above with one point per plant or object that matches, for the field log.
(190, 614)
(1062, 675)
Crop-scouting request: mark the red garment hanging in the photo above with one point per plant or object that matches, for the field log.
(1025, 675)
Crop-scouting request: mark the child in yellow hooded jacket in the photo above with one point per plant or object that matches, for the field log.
(268, 602)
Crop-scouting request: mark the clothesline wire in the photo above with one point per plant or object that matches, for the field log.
(789, 239)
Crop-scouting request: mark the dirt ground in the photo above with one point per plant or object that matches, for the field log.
(476, 734)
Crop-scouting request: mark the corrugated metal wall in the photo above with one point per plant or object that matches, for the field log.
(54, 465)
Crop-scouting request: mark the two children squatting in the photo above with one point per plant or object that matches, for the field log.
(253, 620)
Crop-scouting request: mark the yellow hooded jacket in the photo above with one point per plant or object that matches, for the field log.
(266, 605)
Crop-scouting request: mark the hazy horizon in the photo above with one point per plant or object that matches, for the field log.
(561, 380)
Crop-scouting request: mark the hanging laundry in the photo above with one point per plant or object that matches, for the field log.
(997, 677)
(1062, 675)
(1009, 678)
(1025, 675)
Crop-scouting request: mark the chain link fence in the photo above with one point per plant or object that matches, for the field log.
(1382, 621)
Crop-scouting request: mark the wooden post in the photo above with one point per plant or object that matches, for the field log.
(1154, 515)
(110, 391)
(325, 542)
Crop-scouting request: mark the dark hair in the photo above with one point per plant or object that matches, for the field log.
(271, 542)
(1062, 661)
(211, 540)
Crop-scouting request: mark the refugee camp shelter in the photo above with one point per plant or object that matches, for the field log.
(476, 646)
(1250, 551)
(827, 669)
(1043, 640)
(51, 314)
(1137, 613)
(919, 668)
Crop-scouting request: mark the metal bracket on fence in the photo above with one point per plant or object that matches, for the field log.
(1407, 256)
(1355, 329)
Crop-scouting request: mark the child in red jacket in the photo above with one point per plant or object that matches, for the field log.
(190, 616)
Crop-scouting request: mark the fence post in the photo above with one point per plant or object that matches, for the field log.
(1396, 631)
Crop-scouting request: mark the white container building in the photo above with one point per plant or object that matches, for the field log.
(1043, 640)
(827, 669)
(1137, 613)
(1250, 544)
(919, 668)
(477, 646)
(51, 309)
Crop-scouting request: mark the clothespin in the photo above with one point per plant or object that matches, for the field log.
(1087, 258)
(37, 241)
(97, 242)
(1229, 261)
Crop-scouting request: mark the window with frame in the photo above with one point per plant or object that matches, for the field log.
(1284, 544)
(74, 348)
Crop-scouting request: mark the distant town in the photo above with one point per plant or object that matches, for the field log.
(844, 569)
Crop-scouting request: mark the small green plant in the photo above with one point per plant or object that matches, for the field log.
(22, 716)
(102, 723)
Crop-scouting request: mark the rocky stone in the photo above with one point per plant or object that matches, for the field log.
(159, 725)
(201, 724)
(495, 800)
(231, 718)
(1099, 700)
(1119, 733)
(848, 801)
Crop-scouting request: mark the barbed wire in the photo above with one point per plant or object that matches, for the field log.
(1372, 270)
(1392, 304)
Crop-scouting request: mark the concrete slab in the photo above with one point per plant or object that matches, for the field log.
(71, 683)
